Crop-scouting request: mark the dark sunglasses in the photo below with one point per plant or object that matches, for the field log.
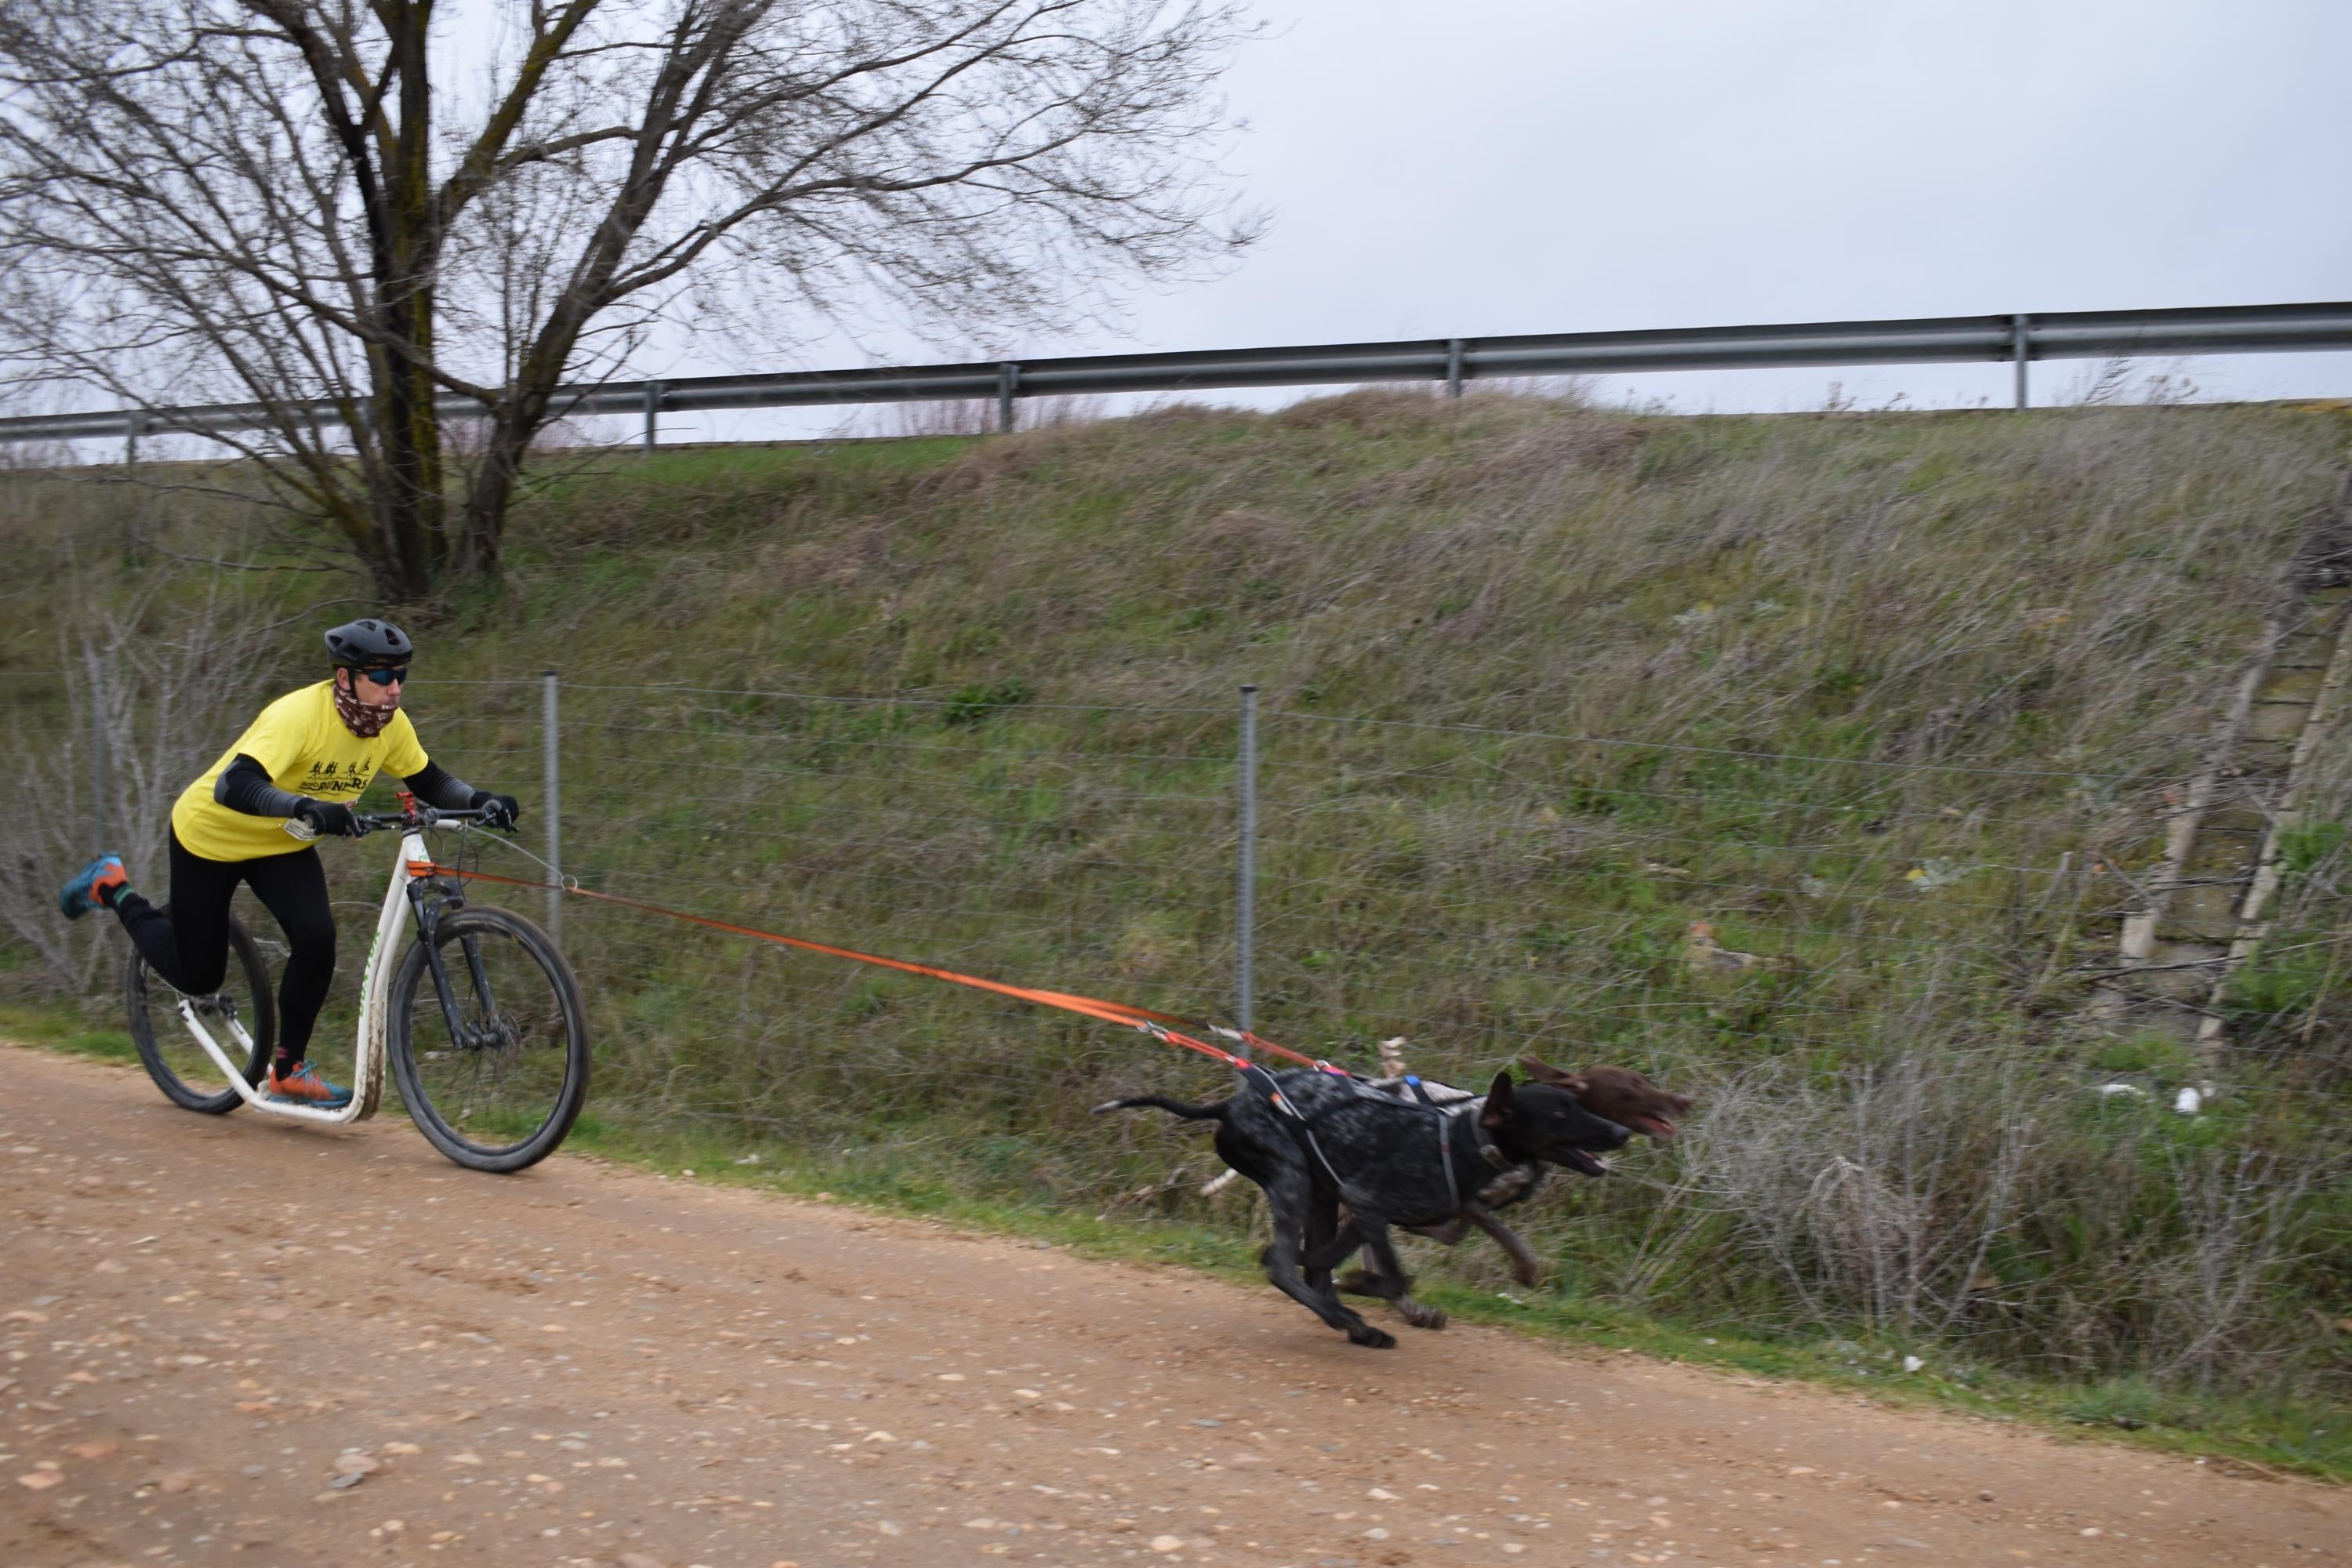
(383, 677)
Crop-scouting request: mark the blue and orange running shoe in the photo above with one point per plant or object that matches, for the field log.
(303, 1086)
(86, 891)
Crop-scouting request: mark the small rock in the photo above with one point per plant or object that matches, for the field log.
(1382, 1494)
(40, 1480)
(1206, 1421)
(346, 1482)
(639, 1560)
(91, 1450)
(177, 1481)
(984, 1522)
(1167, 1543)
(888, 1528)
(1376, 1534)
(355, 1463)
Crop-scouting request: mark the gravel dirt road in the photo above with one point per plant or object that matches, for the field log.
(234, 1340)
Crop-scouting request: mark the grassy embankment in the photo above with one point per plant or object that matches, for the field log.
(1923, 683)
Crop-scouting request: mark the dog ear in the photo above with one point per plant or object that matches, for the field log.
(1498, 1109)
(1544, 1072)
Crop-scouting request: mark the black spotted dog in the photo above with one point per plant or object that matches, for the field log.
(1315, 1141)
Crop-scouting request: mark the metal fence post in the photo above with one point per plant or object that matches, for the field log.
(653, 419)
(130, 428)
(2019, 345)
(1246, 912)
(1008, 378)
(552, 789)
(1454, 367)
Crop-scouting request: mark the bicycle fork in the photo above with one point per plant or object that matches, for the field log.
(428, 921)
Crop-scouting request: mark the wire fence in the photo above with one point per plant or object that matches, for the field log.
(1479, 892)
(1834, 951)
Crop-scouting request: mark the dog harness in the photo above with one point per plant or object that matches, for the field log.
(1446, 1116)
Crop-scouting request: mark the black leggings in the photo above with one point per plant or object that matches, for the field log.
(186, 942)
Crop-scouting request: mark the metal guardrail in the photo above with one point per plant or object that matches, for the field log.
(1937, 339)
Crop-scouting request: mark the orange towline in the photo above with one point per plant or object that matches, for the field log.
(1158, 1025)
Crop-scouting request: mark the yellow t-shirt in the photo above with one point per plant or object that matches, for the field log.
(307, 750)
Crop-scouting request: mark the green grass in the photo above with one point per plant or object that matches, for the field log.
(63, 1026)
(1893, 702)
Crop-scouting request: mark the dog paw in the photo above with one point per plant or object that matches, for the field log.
(1529, 1275)
(1421, 1317)
(1356, 1282)
(1370, 1337)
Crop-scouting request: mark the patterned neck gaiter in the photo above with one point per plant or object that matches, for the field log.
(366, 720)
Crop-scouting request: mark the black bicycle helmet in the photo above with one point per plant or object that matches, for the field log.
(361, 645)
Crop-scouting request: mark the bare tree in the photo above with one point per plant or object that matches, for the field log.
(321, 205)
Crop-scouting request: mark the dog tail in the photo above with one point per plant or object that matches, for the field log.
(1215, 1112)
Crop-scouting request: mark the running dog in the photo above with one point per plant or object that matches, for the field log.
(1314, 1140)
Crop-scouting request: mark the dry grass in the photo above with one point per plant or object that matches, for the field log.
(1893, 701)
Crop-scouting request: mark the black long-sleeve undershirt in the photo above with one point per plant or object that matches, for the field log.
(244, 785)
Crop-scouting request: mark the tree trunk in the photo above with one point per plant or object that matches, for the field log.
(413, 506)
(519, 420)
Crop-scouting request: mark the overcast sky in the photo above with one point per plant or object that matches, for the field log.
(1503, 166)
(1439, 168)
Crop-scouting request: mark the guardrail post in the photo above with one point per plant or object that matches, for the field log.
(2021, 343)
(551, 794)
(652, 416)
(132, 425)
(1008, 379)
(1454, 367)
(1245, 902)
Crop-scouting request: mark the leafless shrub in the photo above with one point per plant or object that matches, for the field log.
(1880, 1192)
(2241, 1215)
(136, 713)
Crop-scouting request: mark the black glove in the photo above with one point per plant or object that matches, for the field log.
(328, 818)
(498, 810)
